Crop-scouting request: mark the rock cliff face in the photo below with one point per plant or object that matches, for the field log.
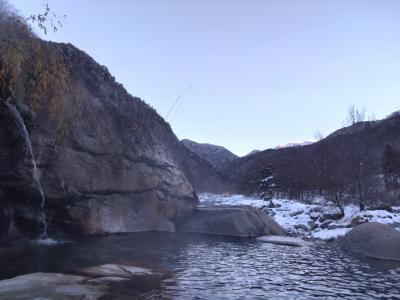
(117, 167)
(20, 190)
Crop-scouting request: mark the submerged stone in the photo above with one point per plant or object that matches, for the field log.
(120, 271)
(48, 286)
(284, 240)
(92, 283)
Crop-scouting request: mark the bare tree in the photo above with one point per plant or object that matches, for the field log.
(333, 186)
(46, 20)
(354, 115)
(5, 9)
(390, 168)
(372, 117)
(360, 185)
(318, 135)
(30, 66)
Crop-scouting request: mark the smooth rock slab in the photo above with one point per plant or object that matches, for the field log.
(52, 286)
(120, 271)
(284, 240)
(93, 283)
(373, 240)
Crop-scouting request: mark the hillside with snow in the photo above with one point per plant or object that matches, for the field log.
(362, 159)
(295, 144)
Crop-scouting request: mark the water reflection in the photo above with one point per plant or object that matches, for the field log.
(206, 267)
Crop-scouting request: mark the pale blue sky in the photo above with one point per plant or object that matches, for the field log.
(263, 72)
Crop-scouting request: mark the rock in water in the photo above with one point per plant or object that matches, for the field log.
(284, 240)
(120, 271)
(49, 286)
(240, 221)
(373, 240)
(100, 282)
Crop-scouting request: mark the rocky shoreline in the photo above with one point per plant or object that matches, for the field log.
(314, 221)
(116, 281)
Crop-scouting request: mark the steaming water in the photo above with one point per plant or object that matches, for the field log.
(207, 267)
(20, 122)
(49, 242)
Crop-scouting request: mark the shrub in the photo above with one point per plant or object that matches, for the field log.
(33, 71)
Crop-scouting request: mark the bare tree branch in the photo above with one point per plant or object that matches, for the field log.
(354, 115)
(318, 135)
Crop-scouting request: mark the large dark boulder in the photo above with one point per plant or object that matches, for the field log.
(373, 240)
(240, 221)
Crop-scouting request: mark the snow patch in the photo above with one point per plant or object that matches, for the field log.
(211, 199)
(328, 234)
(295, 144)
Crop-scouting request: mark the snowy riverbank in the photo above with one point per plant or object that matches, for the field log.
(316, 220)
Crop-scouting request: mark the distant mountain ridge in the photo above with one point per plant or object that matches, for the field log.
(252, 153)
(339, 162)
(218, 156)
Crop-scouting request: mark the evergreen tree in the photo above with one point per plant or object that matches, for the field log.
(267, 185)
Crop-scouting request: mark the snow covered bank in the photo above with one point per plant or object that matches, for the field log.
(230, 200)
(316, 220)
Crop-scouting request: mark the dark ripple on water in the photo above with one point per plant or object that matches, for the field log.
(260, 271)
(206, 267)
